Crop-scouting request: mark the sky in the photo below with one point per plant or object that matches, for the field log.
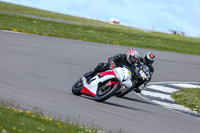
(158, 15)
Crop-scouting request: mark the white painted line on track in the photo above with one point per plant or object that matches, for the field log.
(161, 94)
(186, 85)
(175, 106)
(157, 95)
(162, 88)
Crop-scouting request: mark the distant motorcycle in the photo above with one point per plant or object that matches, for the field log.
(141, 75)
(104, 85)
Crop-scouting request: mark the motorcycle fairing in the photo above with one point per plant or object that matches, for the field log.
(124, 75)
(107, 73)
(85, 91)
(91, 88)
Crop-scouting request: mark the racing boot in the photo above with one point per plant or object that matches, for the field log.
(88, 75)
(138, 90)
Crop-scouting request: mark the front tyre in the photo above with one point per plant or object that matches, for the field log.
(76, 88)
(123, 92)
(106, 92)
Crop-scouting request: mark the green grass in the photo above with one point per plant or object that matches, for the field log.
(13, 120)
(42, 13)
(117, 36)
(188, 97)
(106, 33)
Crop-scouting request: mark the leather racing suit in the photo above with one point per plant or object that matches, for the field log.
(119, 60)
(139, 84)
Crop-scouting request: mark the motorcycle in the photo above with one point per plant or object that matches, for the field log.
(141, 75)
(104, 85)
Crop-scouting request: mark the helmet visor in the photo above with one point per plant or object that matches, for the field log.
(132, 60)
(150, 62)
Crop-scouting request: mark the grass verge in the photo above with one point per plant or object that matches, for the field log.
(7, 7)
(13, 120)
(116, 36)
(188, 97)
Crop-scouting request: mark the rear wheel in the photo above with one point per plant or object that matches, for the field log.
(76, 88)
(106, 92)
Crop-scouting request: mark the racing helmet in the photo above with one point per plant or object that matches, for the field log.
(149, 58)
(132, 56)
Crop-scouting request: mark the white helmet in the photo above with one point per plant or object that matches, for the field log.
(132, 56)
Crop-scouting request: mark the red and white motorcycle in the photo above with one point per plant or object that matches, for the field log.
(105, 84)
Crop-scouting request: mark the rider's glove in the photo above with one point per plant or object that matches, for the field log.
(112, 64)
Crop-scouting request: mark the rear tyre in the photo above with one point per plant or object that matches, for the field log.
(106, 92)
(76, 88)
(123, 92)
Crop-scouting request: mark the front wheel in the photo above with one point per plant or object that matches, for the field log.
(76, 88)
(106, 92)
(123, 92)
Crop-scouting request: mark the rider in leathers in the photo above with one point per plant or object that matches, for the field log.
(118, 60)
(148, 60)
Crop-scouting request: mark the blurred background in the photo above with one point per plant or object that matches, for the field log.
(180, 17)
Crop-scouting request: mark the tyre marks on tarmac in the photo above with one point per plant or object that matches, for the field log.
(160, 93)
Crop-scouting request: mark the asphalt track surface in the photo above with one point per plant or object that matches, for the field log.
(38, 72)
